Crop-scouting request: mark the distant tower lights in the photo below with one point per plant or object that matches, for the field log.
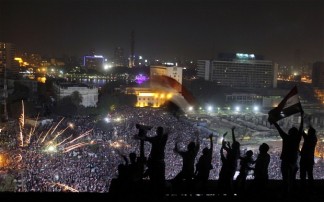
(132, 56)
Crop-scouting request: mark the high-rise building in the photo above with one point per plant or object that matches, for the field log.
(119, 58)
(132, 50)
(318, 80)
(318, 75)
(7, 60)
(8, 65)
(239, 70)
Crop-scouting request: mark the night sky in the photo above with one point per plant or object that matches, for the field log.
(283, 31)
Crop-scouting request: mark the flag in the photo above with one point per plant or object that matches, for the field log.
(288, 106)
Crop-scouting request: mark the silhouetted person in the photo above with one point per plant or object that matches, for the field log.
(188, 162)
(121, 183)
(289, 154)
(135, 173)
(261, 176)
(245, 167)
(204, 165)
(142, 131)
(156, 163)
(307, 157)
(229, 164)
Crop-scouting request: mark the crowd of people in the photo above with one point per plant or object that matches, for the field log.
(92, 168)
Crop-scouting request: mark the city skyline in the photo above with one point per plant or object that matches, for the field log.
(286, 32)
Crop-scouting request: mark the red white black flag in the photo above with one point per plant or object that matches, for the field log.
(288, 106)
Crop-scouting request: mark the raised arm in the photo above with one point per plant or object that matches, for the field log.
(176, 149)
(281, 132)
(211, 142)
(197, 142)
(224, 146)
(233, 134)
(301, 126)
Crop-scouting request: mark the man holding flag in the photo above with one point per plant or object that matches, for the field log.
(290, 142)
(288, 106)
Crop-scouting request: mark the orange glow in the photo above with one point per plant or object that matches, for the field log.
(146, 94)
(41, 79)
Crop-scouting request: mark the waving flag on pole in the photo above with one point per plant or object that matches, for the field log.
(288, 106)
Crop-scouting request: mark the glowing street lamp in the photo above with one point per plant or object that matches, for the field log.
(256, 108)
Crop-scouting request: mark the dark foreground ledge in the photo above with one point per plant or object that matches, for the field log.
(274, 192)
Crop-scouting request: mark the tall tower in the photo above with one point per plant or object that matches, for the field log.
(132, 55)
(4, 116)
(6, 61)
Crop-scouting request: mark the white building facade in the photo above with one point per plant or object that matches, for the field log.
(88, 93)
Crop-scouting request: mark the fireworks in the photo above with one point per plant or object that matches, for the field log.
(30, 139)
(63, 187)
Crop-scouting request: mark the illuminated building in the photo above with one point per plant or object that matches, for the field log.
(318, 75)
(243, 98)
(148, 97)
(158, 92)
(140, 78)
(94, 62)
(119, 58)
(239, 70)
(318, 80)
(89, 93)
(7, 60)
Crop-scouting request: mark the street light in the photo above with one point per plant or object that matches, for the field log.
(255, 108)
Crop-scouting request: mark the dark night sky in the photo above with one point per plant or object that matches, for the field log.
(279, 30)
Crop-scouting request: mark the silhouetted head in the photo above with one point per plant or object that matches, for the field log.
(249, 153)
(132, 156)
(264, 148)
(191, 146)
(311, 131)
(293, 131)
(159, 131)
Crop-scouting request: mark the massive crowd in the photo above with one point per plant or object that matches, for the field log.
(92, 167)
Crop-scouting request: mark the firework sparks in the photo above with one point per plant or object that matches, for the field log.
(32, 131)
(82, 135)
(62, 131)
(63, 186)
(58, 144)
(21, 125)
(77, 145)
(52, 130)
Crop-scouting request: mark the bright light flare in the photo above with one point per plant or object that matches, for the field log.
(107, 119)
(51, 149)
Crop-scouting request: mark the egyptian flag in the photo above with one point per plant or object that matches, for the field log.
(288, 106)
(172, 85)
